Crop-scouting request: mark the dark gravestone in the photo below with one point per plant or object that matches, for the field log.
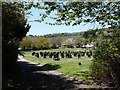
(33, 53)
(56, 56)
(41, 54)
(79, 55)
(50, 55)
(79, 63)
(62, 54)
(37, 55)
(44, 55)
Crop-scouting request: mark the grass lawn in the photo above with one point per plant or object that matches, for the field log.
(66, 66)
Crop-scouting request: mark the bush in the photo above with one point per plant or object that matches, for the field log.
(106, 62)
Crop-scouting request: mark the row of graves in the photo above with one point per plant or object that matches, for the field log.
(62, 54)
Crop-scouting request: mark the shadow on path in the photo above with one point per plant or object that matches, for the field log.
(28, 76)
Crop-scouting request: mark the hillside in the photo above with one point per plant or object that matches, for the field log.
(70, 40)
(66, 36)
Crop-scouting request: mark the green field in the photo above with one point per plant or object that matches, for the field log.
(65, 66)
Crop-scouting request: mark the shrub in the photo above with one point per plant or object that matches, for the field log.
(107, 58)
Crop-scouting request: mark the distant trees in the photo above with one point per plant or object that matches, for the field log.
(55, 42)
(29, 43)
(41, 43)
(68, 43)
(26, 43)
(81, 40)
(64, 35)
(68, 39)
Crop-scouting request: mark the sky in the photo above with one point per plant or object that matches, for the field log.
(43, 29)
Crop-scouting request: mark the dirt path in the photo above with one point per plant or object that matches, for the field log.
(30, 76)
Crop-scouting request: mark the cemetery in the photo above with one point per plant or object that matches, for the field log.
(71, 45)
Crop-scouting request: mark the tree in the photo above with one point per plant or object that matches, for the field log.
(26, 43)
(40, 43)
(14, 28)
(55, 42)
(90, 35)
(81, 41)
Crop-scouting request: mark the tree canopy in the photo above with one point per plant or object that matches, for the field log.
(74, 13)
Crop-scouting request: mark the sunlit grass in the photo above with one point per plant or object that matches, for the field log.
(68, 66)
